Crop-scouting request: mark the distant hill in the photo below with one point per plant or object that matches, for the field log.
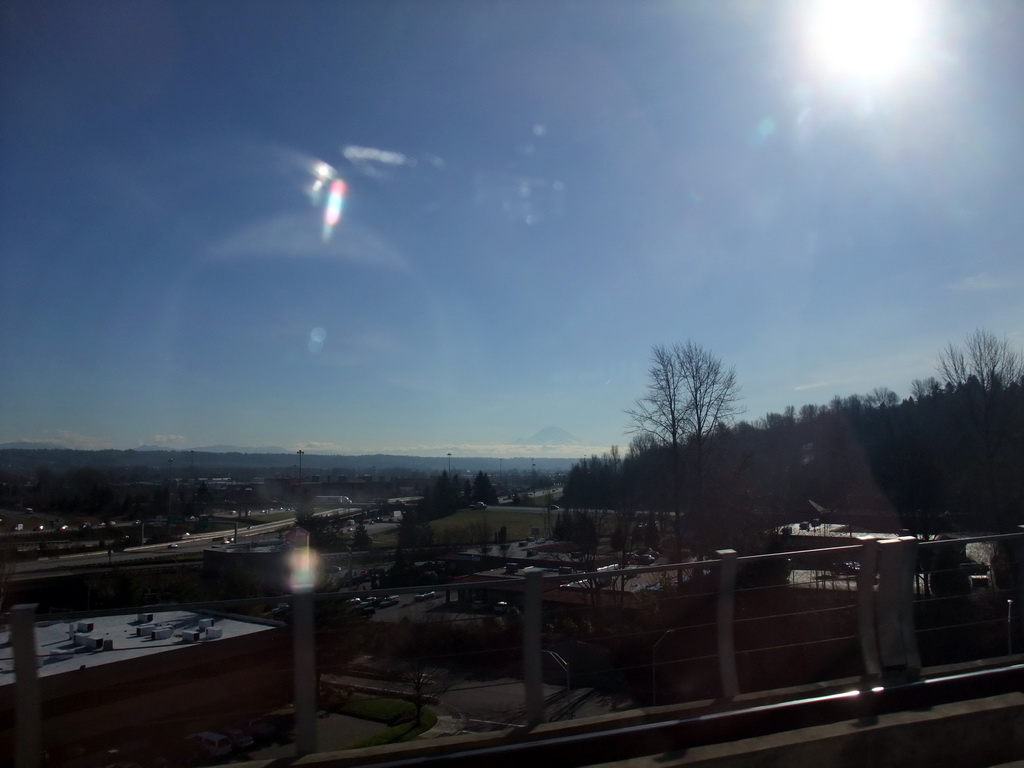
(26, 446)
(153, 462)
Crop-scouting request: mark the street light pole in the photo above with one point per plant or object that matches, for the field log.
(449, 464)
(170, 483)
(654, 669)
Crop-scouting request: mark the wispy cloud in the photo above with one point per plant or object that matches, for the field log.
(320, 447)
(380, 163)
(67, 439)
(822, 384)
(982, 281)
(168, 439)
(356, 154)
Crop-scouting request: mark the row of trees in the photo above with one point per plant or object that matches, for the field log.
(946, 457)
(445, 497)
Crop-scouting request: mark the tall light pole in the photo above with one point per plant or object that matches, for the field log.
(449, 463)
(654, 668)
(170, 483)
(300, 452)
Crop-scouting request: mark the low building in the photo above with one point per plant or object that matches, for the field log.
(268, 563)
(151, 676)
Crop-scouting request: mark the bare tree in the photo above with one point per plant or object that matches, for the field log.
(659, 415)
(990, 360)
(690, 397)
(424, 685)
(986, 374)
(712, 403)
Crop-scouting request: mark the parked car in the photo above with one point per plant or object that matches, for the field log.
(239, 738)
(501, 607)
(847, 568)
(479, 505)
(259, 728)
(424, 596)
(384, 602)
(210, 743)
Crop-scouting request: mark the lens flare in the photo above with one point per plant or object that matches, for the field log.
(322, 173)
(333, 209)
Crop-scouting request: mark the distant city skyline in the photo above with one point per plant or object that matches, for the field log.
(413, 229)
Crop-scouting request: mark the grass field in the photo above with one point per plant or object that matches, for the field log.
(481, 524)
(399, 715)
(477, 525)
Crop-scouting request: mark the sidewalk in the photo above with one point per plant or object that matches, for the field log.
(449, 722)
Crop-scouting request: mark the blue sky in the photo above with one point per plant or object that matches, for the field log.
(536, 193)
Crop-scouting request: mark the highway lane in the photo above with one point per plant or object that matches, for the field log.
(247, 531)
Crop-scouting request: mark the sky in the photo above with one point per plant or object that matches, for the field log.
(527, 196)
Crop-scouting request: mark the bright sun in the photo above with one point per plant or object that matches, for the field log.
(870, 39)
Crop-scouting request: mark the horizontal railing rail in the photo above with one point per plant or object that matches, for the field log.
(883, 603)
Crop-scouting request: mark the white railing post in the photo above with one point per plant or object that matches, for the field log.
(908, 575)
(304, 654)
(896, 639)
(866, 606)
(303, 579)
(1019, 607)
(726, 624)
(533, 593)
(28, 707)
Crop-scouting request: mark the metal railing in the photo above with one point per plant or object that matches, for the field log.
(729, 625)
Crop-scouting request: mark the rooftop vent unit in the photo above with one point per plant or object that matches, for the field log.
(191, 635)
(214, 633)
(144, 629)
(205, 623)
(161, 633)
(85, 626)
(144, 618)
(88, 642)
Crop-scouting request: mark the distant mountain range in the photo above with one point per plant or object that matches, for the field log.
(220, 448)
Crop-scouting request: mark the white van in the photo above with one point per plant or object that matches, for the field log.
(213, 744)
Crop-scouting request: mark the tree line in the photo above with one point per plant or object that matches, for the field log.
(946, 458)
